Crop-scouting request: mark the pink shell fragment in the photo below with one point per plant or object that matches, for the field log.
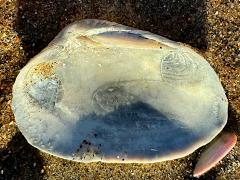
(216, 151)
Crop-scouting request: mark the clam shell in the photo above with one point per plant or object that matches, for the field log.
(106, 92)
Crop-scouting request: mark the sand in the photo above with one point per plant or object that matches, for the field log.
(26, 27)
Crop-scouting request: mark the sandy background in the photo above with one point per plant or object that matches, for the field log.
(27, 26)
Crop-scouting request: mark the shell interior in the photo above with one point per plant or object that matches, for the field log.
(106, 92)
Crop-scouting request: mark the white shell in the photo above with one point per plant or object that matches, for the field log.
(106, 92)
